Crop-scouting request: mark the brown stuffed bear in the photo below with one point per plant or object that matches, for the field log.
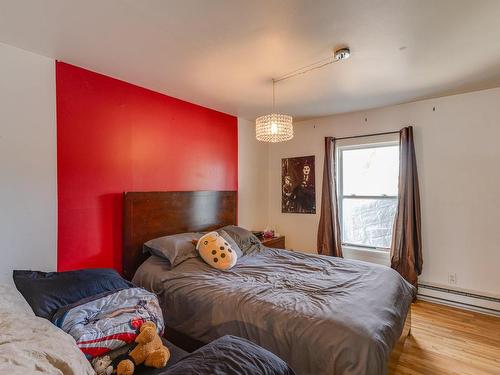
(149, 350)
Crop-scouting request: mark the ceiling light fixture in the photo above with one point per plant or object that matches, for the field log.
(277, 127)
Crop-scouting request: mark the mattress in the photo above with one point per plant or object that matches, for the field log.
(322, 315)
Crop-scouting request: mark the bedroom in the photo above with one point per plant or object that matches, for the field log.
(102, 98)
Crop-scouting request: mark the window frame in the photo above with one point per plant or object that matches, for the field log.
(359, 144)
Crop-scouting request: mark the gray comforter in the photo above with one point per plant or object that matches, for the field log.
(322, 315)
(227, 355)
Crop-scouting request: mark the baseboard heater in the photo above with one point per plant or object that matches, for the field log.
(466, 300)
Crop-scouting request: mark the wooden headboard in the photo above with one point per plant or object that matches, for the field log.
(148, 215)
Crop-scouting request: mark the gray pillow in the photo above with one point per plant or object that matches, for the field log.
(245, 239)
(175, 248)
(231, 242)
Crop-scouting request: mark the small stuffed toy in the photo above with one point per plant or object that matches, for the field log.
(149, 350)
(103, 365)
(215, 251)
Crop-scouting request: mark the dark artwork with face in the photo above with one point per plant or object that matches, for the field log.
(298, 192)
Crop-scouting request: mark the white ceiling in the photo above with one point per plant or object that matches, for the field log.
(223, 53)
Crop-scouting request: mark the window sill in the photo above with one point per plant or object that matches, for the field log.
(367, 255)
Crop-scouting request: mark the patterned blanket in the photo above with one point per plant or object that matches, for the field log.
(110, 320)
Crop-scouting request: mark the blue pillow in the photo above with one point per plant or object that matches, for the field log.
(46, 292)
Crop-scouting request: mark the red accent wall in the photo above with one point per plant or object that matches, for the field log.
(113, 137)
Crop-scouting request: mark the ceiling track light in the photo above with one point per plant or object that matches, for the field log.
(277, 127)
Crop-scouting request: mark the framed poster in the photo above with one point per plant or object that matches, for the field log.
(298, 190)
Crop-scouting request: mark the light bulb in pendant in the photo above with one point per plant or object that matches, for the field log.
(275, 127)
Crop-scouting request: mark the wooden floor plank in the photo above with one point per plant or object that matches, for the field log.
(450, 341)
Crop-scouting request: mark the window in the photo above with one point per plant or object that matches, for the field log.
(367, 177)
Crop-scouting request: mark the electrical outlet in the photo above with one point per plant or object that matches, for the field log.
(452, 278)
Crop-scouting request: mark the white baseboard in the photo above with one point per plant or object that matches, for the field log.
(458, 298)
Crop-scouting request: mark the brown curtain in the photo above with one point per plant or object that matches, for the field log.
(329, 242)
(406, 249)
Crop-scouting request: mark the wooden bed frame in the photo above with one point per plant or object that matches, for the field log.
(148, 215)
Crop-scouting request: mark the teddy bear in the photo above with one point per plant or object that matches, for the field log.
(216, 252)
(103, 365)
(149, 350)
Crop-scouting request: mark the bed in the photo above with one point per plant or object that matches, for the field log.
(322, 315)
(47, 327)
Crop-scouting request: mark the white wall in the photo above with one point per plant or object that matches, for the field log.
(458, 155)
(252, 178)
(28, 202)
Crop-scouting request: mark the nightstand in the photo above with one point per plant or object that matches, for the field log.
(275, 242)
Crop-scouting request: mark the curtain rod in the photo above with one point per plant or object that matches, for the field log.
(365, 135)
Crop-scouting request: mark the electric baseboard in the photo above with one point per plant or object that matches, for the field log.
(465, 300)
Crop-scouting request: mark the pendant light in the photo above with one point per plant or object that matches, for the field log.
(275, 127)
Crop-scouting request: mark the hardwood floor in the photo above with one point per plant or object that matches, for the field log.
(447, 340)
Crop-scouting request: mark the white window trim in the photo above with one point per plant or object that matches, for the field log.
(352, 144)
(378, 256)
